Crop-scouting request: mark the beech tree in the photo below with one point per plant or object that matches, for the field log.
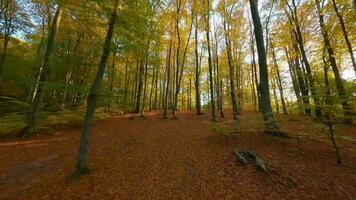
(82, 158)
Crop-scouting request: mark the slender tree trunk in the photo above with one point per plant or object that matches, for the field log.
(168, 68)
(180, 65)
(190, 94)
(279, 80)
(254, 67)
(271, 126)
(275, 94)
(339, 82)
(126, 84)
(302, 80)
(253, 90)
(155, 103)
(142, 112)
(152, 86)
(294, 21)
(137, 72)
(346, 36)
(140, 85)
(211, 79)
(82, 158)
(36, 104)
(37, 68)
(219, 96)
(222, 115)
(231, 71)
(295, 82)
(197, 69)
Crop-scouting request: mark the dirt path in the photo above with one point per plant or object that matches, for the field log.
(175, 159)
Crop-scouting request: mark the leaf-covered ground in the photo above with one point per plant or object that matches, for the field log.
(189, 158)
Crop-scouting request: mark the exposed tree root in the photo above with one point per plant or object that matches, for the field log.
(277, 132)
(247, 156)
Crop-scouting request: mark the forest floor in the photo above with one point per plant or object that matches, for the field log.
(188, 158)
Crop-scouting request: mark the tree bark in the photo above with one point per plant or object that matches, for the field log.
(346, 36)
(211, 79)
(197, 68)
(271, 126)
(295, 82)
(36, 104)
(168, 68)
(82, 166)
(231, 68)
(140, 85)
(339, 82)
(279, 80)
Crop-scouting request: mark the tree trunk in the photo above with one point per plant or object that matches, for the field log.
(302, 80)
(231, 71)
(155, 107)
(271, 126)
(152, 86)
(81, 166)
(197, 69)
(218, 88)
(168, 68)
(140, 85)
(279, 80)
(294, 21)
(126, 84)
(211, 79)
(339, 82)
(343, 27)
(295, 82)
(275, 94)
(142, 112)
(36, 104)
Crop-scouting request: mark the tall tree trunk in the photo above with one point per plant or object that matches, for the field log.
(197, 69)
(126, 84)
(231, 70)
(36, 104)
(302, 80)
(279, 80)
(346, 36)
(155, 101)
(211, 79)
(168, 69)
(218, 88)
(140, 85)
(299, 38)
(152, 86)
(339, 82)
(254, 67)
(37, 68)
(271, 126)
(82, 158)
(190, 94)
(142, 112)
(275, 94)
(180, 64)
(295, 82)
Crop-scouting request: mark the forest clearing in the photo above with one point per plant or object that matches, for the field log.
(177, 99)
